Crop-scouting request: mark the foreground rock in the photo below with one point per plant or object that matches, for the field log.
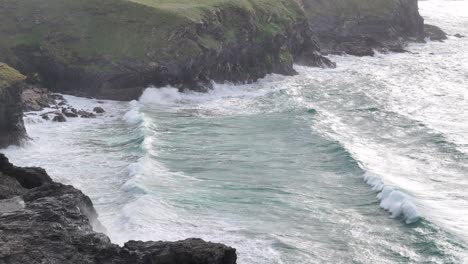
(190, 44)
(42, 221)
(11, 114)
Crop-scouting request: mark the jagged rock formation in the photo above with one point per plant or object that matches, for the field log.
(357, 27)
(115, 48)
(11, 114)
(42, 221)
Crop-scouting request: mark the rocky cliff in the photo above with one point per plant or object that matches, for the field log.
(357, 27)
(11, 114)
(115, 48)
(42, 221)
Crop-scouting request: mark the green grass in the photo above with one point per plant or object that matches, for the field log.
(9, 76)
(350, 8)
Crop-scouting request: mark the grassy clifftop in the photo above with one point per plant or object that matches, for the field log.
(9, 76)
(115, 28)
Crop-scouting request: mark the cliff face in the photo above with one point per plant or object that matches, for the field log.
(42, 221)
(11, 114)
(115, 48)
(357, 27)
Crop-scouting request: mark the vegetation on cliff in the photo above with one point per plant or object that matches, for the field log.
(9, 76)
(11, 113)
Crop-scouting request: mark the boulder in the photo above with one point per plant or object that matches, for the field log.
(85, 114)
(99, 110)
(59, 118)
(68, 112)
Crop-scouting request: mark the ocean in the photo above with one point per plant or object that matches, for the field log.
(365, 163)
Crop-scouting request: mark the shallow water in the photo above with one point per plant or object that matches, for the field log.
(366, 163)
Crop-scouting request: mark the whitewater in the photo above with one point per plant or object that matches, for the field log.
(365, 163)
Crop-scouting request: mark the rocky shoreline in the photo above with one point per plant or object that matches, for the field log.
(42, 221)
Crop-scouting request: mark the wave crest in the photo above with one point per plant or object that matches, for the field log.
(397, 203)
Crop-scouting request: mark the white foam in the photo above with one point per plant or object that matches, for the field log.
(133, 116)
(394, 201)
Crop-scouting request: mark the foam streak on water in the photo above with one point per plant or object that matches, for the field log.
(365, 163)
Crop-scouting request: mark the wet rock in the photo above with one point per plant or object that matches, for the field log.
(59, 118)
(86, 114)
(459, 35)
(69, 113)
(434, 33)
(48, 222)
(99, 110)
(45, 117)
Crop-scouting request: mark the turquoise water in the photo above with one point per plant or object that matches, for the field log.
(365, 163)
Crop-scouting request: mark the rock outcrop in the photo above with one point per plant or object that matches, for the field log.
(11, 114)
(42, 221)
(358, 27)
(115, 48)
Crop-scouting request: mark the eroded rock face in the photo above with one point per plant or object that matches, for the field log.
(11, 114)
(36, 98)
(42, 221)
(358, 27)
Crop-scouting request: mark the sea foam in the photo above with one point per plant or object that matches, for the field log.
(397, 203)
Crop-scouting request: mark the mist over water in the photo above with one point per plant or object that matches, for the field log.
(366, 163)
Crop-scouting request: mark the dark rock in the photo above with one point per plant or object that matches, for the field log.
(69, 112)
(99, 110)
(45, 117)
(181, 252)
(381, 25)
(28, 177)
(53, 223)
(434, 33)
(59, 118)
(459, 35)
(85, 114)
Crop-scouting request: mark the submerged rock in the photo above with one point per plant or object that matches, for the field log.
(52, 223)
(86, 114)
(59, 118)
